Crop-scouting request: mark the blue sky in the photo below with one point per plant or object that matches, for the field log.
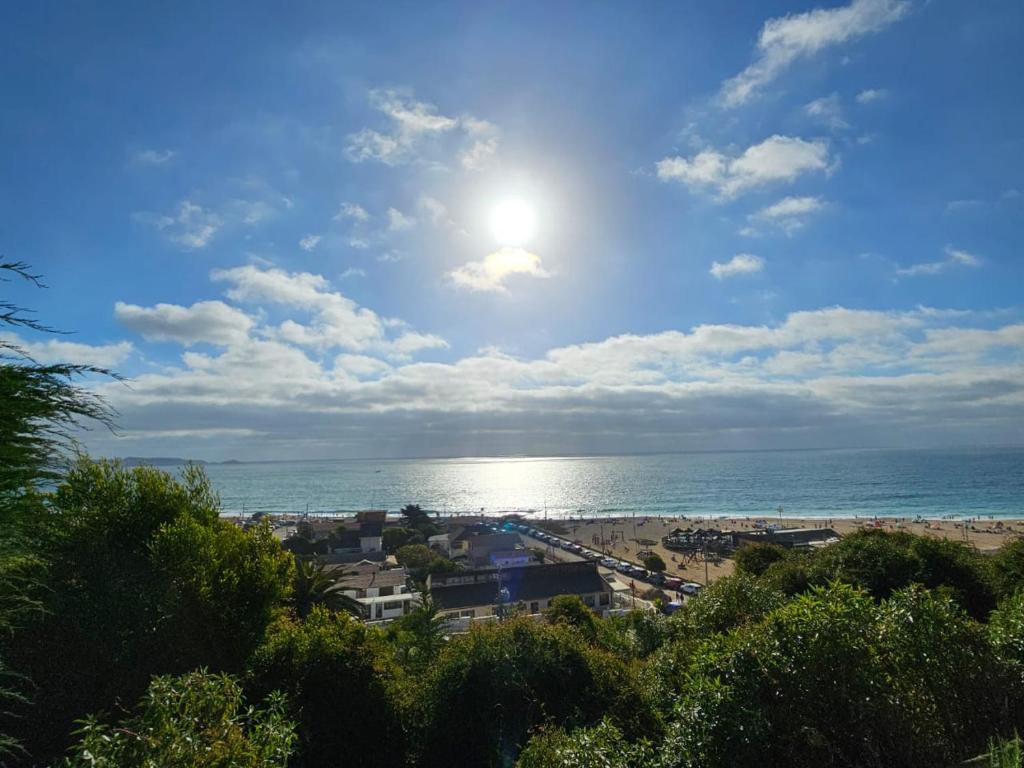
(754, 225)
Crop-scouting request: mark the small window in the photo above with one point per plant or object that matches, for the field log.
(588, 600)
(534, 607)
(605, 598)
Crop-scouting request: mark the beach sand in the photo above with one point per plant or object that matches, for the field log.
(620, 535)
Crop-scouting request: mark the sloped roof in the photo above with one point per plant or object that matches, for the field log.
(539, 582)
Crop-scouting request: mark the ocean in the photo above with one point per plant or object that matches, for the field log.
(834, 483)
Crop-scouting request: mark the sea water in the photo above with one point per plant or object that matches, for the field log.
(838, 483)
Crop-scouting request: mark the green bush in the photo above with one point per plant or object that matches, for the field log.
(489, 689)
(602, 746)
(571, 611)
(340, 686)
(754, 558)
(143, 579)
(197, 720)
(726, 604)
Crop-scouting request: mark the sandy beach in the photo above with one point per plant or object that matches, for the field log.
(623, 537)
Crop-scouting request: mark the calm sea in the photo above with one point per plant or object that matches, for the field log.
(932, 483)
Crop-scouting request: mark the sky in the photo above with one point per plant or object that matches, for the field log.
(333, 230)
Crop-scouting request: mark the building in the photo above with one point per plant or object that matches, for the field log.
(384, 593)
(788, 537)
(484, 550)
(483, 593)
(347, 541)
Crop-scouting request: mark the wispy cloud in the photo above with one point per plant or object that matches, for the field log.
(190, 226)
(412, 125)
(352, 211)
(827, 110)
(776, 159)
(740, 264)
(786, 39)
(954, 258)
(870, 95)
(309, 242)
(789, 213)
(398, 221)
(153, 157)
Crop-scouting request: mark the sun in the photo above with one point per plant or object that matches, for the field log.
(513, 222)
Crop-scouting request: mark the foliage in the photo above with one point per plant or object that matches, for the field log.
(338, 681)
(754, 558)
(416, 519)
(803, 687)
(40, 406)
(600, 747)
(726, 604)
(421, 561)
(396, 538)
(571, 611)
(947, 685)
(1008, 567)
(196, 720)
(654, 563)
(487, 690)
(315, 584)
(144, 579)
(419, 634)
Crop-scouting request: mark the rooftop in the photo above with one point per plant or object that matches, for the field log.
(473, 588)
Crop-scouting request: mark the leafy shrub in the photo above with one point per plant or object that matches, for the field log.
(754, 558)
(197, 720)
(339, 688)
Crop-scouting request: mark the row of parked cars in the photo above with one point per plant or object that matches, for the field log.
(620, 566)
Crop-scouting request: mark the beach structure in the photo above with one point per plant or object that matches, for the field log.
(487, 593)
(498, 549)
(788, 537)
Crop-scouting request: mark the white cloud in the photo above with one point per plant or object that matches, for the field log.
(153, 157)
(336, 319)
(827, 110)
(53, 351)
(789, 213)
(787, 39)
(954, 258)
(309, 242)
(358, 243)
(491, 273)
(870, 95)
(209, 321)
(411, 341)
(352, 211)
(413, 125)
(353, 272)
(776, 159)
(740, 264)
(824, 377)
(398, 221)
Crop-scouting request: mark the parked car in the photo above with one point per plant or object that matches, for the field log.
(658, 579)
(623, 567)
(609, 562)
(691, 588)
(672, 583)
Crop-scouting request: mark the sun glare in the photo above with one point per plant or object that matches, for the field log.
(513, 222)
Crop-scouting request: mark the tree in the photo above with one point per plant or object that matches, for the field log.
(144, 579)
(1008, 567)
(489, 689)
(316, 585)
(422, 561)
(726, 604)
(571, 611)
(40, 405)
(654, 563)
(602, 746)
(420, 633)
(199, 720)
(754, 558)
(396, 538)
(341, 689)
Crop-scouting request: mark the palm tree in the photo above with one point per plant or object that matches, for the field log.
(316, 585)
